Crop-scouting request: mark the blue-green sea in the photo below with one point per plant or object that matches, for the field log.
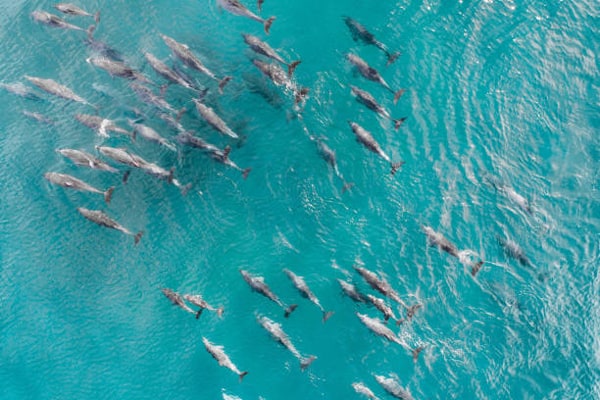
(502, 100)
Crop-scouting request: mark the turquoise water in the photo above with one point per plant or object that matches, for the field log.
(494, 88)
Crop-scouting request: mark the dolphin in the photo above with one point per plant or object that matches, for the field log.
(260, 47)
(101, 125)
(438, 240)
(365, 138)
(122, 156)
(392, 386)
(36, 116)
(380, 329)
(183, 52)
(177, 300)
(163, 70)
(384, 308)
(257, 283)
(380, 284)
(372, 74)
(369, 101)
(148, 97)
(117, 68)
(84, 159)
(56, 89)
(360, 388)
(281, 78)
(214, 152)
(211, 117)
(330, 158)
(351, 291)
(70, 182)
(21, 90)
(359, 32)
(71, 9)
(102, 219)
(279, 335)
(198, 301)
(46, 18)
(218, 354)
(150, 134)
(237, 8)
(100, 47)
(510, 193)
(163, 174)
(513, 250)
(301, 285)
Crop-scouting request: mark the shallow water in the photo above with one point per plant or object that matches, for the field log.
(496, 91)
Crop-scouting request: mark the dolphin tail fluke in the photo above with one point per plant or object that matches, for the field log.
(399, 321)
(245, 172)
(126, 176)
(268, 24)
(305, 362)
(410, 312)
(223, 82)
(97, 17)
(392, 57)
(133, 135)
(199, 312)
(327, 315)
(347, 186)
(185, 189)
(416, 352)
(301, 95)
(138, 236)
(180, 114)
(90, 33)
(476, 267)
(290, 310)
(396, 167)
(398, 122)
(242, 375)
(220, 312)
(292, 67)
(398, 94)
(108, 194)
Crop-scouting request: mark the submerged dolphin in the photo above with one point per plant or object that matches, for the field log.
(365, 138)
(100, 47)
(301, 285)
(351, 291)
(56, 89)
(198, 301)
(70, 182)
(85, 159)
(278, 334)
(150, 134)
(359, 32)
(365, 98)
(117, 68)
(36, 116)
(21, 90)
(360, 388)
(372, 74)
(438, 240)
(513, 250)
(218, 353)
(102, 219)
(148, 97)
(393, 387)
(384, 308)
(257, 283)
(379, 284)
(237, 8)
(260, 47)
(177, 300)
(163, 70)
(71, 9)
(380, 329)
(211, 117)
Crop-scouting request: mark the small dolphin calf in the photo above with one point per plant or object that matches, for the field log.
(509, 192)
(301, 285)
(369, 101)
(198, 301)
(85, 159)
(372, 74)
(102, 219)
(360, 388)
(329, 156)
(384, 308)
(36, 116)
(211, 117)
(117, 68)
(365, 138)
(162, 174)
(257, 283)
(19, 89)
(260, 47)
(56, 89)
(237, 8)
(219, 354)
(280, 78)
(46, 18)
(101, 125)
(71, 9)
(177, 300)
(359, 32)
(100, 47)
(393, 387)
(278, 334)
(183, 52)
(70, 182)
(351, 291)
(150, 134)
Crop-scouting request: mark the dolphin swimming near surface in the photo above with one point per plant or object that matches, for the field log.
(56, 89)
(372, 74)
(117, 68)
(100, 47)
(102, 219)
(513, 250)
(162, 174)
(177, 300)
(301, 285)
(150, 134)
(351, 291)
(163, 70)
(438, 240)
(369, 101)
(21, 90)
(509, 192)
(360, 388)
(211, 117)
(278, 334)
(384, 308)
(36, 116)
(257, 283)
(183, 52)
(281, 78)
(85, 159)
(198, 301)
(46, 18)
(260, 47)
(237, 8)
(71, 9)
(122, 156)
(380, 284)
(359, 32)
(70, 182)
(218, 353)
(101, 125)
(365, 138)
(393, 387)
(380, 329)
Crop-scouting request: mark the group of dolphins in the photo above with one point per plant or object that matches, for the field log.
(110, 60)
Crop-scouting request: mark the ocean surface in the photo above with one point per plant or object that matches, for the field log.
(502, 100)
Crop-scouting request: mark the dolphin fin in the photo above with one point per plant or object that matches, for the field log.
(416, 352)
(292, 67)
(138, 236)
(243, 374)
(126, 176)
(305, 362)
(90, 34)
(398, 122)
(199, 312)
(171, 173)
(108, 194)
(223, 82)
(327, 315)
(396, 167)
(268, 24)
(290, 310)
(398, 94)
(245, 172)
(392, 57)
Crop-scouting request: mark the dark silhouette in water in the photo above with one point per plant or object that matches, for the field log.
(359, 32)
